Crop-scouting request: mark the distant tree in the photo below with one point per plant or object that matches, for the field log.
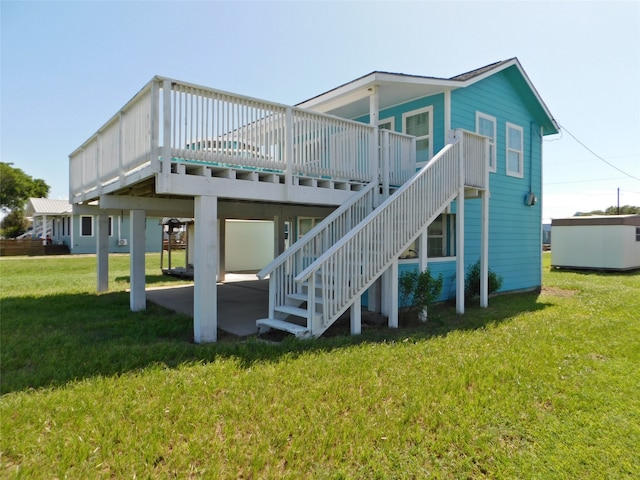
(613, 210)
(16, 187)
(14, 224)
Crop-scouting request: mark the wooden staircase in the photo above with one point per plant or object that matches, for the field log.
(316, 280)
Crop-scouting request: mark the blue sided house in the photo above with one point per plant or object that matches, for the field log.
(383, 174)
(55, 222)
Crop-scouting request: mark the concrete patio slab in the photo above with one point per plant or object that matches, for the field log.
(242, 299)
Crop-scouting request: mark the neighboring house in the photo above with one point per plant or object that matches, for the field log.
(599, 242)
(55, 222)
(339, 171)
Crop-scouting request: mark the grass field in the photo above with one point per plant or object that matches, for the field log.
(535, 386)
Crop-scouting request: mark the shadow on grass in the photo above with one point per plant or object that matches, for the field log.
(50, 341)
(152, 279)
(595, 272)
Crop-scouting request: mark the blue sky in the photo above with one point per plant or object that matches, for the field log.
(67, 67)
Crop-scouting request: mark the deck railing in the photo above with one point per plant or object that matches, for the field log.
(122, 145)
(169, 121)
(397, 158)
(475, 172)
(350, 266)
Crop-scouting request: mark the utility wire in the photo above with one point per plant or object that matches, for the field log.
(596, 155)
(584, 181)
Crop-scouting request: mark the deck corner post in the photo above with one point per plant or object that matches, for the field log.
(385, 167)
(205, 296)
(288, 147)
(164, 175)
(460, 231)
(137, 296)
(374, 111)
(484, 250)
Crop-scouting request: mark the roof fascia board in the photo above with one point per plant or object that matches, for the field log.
(359, 89)
(332, 96)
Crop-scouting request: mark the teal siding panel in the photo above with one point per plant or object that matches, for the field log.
(515, 246)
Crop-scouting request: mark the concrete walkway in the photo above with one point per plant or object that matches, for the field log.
(242, 299)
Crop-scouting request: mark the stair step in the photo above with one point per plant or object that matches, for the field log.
(266, 324)
(289, 310)
(302, 297)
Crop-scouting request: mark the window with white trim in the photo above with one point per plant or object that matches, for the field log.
(637, 234)
(387, 124)
(419, 123)
(486, 125)
(440, 239)
(305, 224)
(86, 226)
(515, 150)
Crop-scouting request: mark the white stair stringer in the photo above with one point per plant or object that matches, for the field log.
(337, 278)
(284, 291)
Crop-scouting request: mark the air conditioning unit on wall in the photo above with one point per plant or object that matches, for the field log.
(122, 242)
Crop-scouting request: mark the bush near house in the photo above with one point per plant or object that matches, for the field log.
(472, 282)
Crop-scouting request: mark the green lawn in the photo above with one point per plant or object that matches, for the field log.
(536, 386)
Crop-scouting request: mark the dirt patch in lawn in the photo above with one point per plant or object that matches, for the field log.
(558, 292)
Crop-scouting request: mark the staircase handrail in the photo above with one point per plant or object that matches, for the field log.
(443, 174)
(311, 236)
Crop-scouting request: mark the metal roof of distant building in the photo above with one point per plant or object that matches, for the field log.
(47, 206)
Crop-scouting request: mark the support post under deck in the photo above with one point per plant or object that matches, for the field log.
(484, 250)
(205, 295)
(102, 253)
(137, 297)
(222, 253)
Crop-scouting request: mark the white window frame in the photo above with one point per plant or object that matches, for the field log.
(314, 221)
(448, 242)
(429, 136)
(492, 142)
(391, 120)
(82, 234)
(520, 172)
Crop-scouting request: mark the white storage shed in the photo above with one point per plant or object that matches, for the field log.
(603, 242)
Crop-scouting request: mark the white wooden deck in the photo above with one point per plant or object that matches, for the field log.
(178, 149)
(175, 138)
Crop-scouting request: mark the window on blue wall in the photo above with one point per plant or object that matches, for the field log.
(86, 226)
(440, 239)
(419, 124)
(486, 125)
(436, 238)
(387, 124)
(515, 150)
